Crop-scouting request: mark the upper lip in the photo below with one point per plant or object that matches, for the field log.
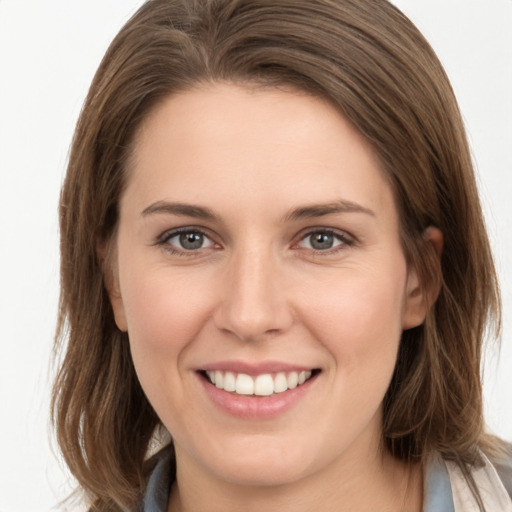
(255, 368)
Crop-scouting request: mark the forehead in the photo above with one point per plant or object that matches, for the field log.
(268, 144)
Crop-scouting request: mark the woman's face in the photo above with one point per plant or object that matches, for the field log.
(258, 245)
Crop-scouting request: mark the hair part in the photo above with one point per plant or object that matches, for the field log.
(369, 61)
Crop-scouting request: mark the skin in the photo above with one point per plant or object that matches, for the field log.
(256, 290)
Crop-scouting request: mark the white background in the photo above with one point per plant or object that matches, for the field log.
(49, 51)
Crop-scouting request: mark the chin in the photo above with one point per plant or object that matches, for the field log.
(261, 466)
(263, 474)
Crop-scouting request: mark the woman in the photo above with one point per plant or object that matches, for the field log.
(273, 250)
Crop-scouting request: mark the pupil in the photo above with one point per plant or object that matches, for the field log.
(322, 241)
(191, 241)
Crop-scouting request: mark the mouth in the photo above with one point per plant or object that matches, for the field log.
(266, 384)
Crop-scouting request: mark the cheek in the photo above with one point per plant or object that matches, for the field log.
(360, 320)
(164, 318)
(163, 314)
(362, 303)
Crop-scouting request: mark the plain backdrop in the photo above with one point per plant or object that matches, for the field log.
(49, 51)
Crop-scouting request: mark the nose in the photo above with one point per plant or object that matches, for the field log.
(253, 302)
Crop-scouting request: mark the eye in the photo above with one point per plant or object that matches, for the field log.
(323, 240)
(186, 240)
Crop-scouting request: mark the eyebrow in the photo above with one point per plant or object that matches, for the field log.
(303, 212)
(186, 210)
(319, 210)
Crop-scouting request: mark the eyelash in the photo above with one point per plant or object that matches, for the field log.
(345, 240)
(163, 241)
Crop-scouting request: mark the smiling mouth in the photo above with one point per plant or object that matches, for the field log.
(266, 384)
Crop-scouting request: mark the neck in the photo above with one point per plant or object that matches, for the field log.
(383, 484)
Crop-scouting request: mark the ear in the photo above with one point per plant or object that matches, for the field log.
(107, 254)
(421, 294)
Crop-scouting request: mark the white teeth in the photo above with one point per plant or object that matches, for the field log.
(280, 383)
(292, 380)
(244, 384)
(229, 382)
(262, 385)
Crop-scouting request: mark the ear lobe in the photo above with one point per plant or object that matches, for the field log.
(422, 291)
(107, 255)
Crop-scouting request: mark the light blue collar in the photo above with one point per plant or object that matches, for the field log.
(438, 492)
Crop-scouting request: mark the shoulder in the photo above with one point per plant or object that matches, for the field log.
(503, 466)
(486, 485)
(447, 487)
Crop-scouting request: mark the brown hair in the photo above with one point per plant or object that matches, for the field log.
(370, 62)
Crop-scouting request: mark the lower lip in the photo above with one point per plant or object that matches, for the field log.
(253, 407)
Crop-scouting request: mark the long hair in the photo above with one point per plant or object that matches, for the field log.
(370, 62)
